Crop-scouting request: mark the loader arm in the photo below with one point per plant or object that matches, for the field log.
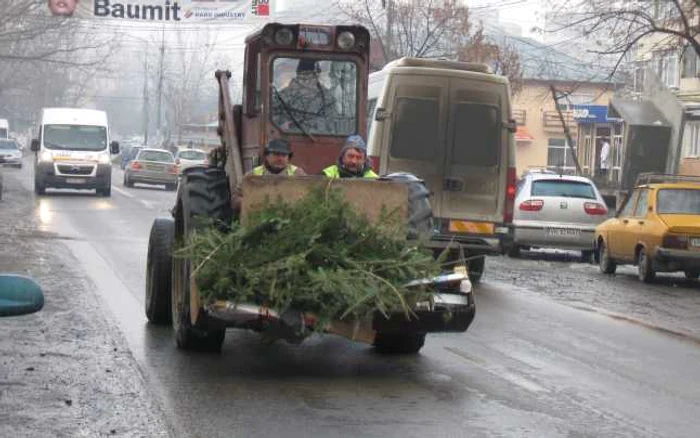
(227, 131)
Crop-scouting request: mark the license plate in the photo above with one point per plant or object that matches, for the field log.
(154, 168)
(695, 241)
(563, 232)
(471, 227)
(75, 181)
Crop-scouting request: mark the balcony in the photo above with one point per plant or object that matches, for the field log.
(520, 116)
(551, 121)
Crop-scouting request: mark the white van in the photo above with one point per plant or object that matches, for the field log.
(73, 151)
(450, 124)
(4, 128)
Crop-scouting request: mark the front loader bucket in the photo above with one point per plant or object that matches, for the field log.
(369, 197)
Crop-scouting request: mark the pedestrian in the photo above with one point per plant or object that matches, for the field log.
(353, 162)
(605, 158)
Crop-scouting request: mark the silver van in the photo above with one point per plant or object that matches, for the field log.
(450, 124)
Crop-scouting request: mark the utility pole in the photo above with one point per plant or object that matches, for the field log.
(160, 79)
(146, 108)
(389, 36)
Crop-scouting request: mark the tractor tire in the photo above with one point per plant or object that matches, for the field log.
(203, 200)
(420, 212)
(399, 343)
(159, 271)
(476, 268)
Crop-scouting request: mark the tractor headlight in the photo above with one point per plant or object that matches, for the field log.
(346, 40)
(284, 36)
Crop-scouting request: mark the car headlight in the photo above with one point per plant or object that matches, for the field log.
(46, 157)
(346, 40)
(104, 159)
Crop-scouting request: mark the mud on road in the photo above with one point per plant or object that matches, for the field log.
(65, 371)
(671, 303)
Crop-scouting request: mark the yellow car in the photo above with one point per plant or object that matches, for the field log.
(657, 228)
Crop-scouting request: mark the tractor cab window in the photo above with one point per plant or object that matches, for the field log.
(314, 96)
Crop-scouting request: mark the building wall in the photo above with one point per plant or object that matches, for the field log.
(536, 102)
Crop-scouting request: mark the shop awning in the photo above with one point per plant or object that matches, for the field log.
(522, 135)
(637, 112)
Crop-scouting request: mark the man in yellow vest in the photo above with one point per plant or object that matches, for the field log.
(277, 155)
(353, 162)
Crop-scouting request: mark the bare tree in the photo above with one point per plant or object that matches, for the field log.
(431, 29)
(189, 78)
(617, 27)
(45, 60)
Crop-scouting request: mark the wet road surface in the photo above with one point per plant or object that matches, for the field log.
(528, 366)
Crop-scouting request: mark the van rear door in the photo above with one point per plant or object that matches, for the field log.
(417, 135)
(473, 187)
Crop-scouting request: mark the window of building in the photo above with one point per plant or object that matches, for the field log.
(667, 68)
(690, 62)
(559, 155)
(639, 75)
(691, 140)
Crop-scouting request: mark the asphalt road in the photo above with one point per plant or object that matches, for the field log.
(530, 365)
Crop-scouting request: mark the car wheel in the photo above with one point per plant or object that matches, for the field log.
(692, 275)
(606, 265)
(645, 269)
(514, 251)
(39, 187)
(587, 256)
(127, 181)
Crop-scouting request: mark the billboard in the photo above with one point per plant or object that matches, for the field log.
(184, 11)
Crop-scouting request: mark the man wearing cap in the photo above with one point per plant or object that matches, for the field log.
(277, 155)
(305, 104)
(352, 162)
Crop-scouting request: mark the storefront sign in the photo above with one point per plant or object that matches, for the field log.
(592, 114)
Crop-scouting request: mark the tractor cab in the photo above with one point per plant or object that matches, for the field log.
(307, 84)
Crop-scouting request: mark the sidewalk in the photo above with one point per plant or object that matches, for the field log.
(65, 371)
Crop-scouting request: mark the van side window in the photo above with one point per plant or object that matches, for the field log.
(371, 106)
(415, 132)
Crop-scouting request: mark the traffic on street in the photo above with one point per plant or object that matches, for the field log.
(395, 219)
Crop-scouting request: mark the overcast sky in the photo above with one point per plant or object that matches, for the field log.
(525, 13)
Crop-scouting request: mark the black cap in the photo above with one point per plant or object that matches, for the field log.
(278, 146)
(307, 65)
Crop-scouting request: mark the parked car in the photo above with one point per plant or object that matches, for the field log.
(129, 154)
(557, 211)
(10, 153)
(657, 228)
(190, 157)
(152, 166)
